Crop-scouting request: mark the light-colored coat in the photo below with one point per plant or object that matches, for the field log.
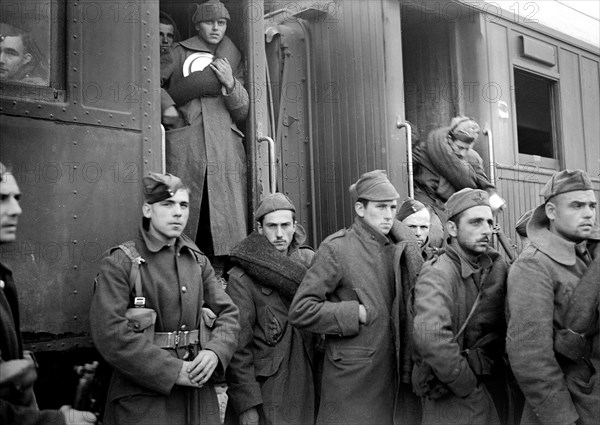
(210, 150)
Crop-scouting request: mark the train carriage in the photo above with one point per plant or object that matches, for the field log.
(332, 86)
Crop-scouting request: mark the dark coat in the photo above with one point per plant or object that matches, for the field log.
(541, 286)
(17, 407)
(177, 281)
(363, 363)
(444, 295)
(440, 171)
(210, 150)
(271, 369)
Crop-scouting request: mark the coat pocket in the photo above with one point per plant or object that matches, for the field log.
(275, 325)
(351, 354)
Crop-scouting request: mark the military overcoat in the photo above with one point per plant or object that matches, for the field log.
(209, 150)
(177, 281)
(362, 365)
(272, 368)
(541, 286)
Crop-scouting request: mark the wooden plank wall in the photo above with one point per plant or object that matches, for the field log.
(348, 106)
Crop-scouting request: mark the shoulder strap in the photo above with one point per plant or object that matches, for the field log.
(466, 322)
(135, 277)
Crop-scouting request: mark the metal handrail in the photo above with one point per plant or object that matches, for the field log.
(409, 163)
(272, 171)
(163, 149)
(487, 132)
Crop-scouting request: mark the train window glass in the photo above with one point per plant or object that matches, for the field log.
(535, 114)
(25, 42)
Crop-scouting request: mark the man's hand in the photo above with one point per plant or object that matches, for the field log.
(224, 73)
(249, 417)
(362, 314)
(76, 417)
(202, 367)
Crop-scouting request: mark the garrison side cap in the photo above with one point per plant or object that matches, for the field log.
(373, 186)
(158, 187)
(274, 202)
(211, 10)
(409, 207)
(566, 181)
(465, 199)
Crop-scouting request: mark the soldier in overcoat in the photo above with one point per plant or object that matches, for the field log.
(207, 152)
(459, 323)
(553, 305)
(270, 377)
(161, 372)
(354, 294)
(18, 369)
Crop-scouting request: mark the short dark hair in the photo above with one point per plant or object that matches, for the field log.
(456, 217)
(363, 201)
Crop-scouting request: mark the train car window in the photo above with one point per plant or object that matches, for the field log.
(535, 114)
(25, 50)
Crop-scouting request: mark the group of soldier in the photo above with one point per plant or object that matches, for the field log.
(409, 316)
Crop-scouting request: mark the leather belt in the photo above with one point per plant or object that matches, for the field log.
(178, 339)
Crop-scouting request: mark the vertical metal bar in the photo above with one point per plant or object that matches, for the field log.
(409, 158)
(163, 150)
(488, 133)
(272, 170)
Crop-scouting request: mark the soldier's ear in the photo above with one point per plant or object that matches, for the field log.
(359, 208)
(451, 228)
(147, 210)
(259, 227)
(550, 209)
(27, 58)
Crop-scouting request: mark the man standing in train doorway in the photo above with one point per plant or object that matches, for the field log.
(146, 318)
(459, 324)
(270, 377)
(18, 370)
(355, 294)
(207, 89)
(553, 305)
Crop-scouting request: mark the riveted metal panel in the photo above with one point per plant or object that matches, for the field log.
(81, 195)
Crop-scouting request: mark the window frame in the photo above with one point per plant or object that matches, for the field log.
(538, 160)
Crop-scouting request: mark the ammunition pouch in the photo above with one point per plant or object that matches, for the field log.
(570, 344)
(426, 384)
(141, 320)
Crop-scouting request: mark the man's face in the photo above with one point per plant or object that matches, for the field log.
(168, 217)
(279, 228)
(10, 209)
(12, 57)
(167, 35)
(473, 231)
(419, 223)
(378, 214)
(572, 214)
(463, 147)
(212, 32)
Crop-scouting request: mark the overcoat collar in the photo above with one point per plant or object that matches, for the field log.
(198, 45)
(466, 268)
(154, 244)
(369, 232)
(557, 248)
